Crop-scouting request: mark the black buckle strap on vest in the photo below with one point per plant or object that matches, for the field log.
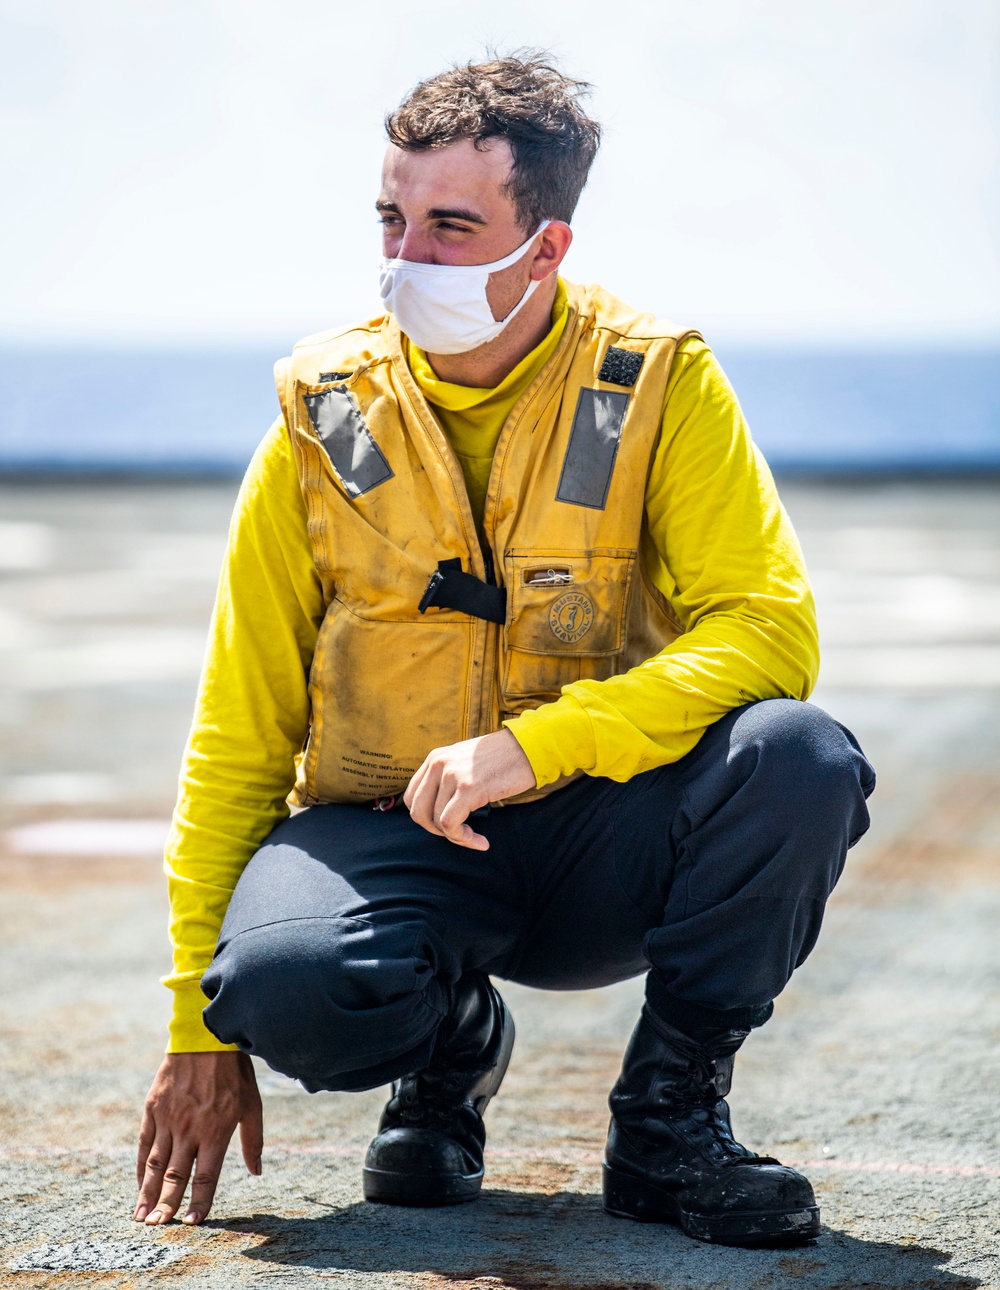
(450, 588)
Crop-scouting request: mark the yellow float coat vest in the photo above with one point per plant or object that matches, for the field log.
(561, 562)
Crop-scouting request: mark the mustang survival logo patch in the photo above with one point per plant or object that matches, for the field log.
(571, 616)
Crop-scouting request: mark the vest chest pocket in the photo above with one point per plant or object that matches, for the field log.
(565, 617)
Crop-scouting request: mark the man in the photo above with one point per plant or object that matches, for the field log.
(509, 571)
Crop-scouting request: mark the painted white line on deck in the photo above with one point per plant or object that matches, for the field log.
(910, 667)
(26, 546)
(88, 838)
(64, 788)
(124, 657)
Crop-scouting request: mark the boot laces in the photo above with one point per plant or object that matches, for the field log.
(430, 1097)
(698, 1088)
(703, 1119)
(706, 1128)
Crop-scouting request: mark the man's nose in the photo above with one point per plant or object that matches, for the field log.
(416, 246)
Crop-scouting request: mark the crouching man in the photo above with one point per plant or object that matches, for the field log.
(512, 610)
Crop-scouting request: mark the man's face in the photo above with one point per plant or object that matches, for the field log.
(447, 205)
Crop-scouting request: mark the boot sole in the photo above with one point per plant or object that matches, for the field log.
(626, 1196)
(389, 1187)
(425, 1190)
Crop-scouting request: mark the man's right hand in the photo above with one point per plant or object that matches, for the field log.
(192, 1108)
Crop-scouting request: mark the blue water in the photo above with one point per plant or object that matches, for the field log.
(205, 410)
(843, 411)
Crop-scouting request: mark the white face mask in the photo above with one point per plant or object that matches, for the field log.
(443, 307)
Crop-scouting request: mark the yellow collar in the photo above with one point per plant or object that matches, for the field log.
(458, 398)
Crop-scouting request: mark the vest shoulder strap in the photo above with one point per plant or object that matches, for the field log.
(327, 356)
(607, 313)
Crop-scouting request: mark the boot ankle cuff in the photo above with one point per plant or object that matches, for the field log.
(695, 1020)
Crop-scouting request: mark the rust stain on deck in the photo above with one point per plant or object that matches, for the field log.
(522, 1277)
(954, 842)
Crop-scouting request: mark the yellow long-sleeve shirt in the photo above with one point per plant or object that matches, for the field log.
(722, 551)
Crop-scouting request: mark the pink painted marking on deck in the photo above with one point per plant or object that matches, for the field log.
(898, 1167)
(565, 1155)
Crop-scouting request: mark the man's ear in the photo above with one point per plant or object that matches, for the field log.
(553, 243)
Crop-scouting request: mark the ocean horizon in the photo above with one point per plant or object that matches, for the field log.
(203, 410)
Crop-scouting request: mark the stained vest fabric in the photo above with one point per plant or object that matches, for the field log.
(560, 562)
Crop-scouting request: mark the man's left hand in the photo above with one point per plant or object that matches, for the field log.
(459, 779)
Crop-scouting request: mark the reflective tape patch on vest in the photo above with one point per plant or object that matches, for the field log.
(353, 453)
(593, 447)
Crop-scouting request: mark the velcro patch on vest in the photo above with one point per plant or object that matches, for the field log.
(621, 366)
(593, 447)
(332, 376)
(353, 453)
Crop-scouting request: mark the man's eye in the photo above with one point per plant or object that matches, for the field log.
(388, 221)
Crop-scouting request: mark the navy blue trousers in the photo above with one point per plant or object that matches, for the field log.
(711, 873)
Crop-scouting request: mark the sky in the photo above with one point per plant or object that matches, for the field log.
(773, 171)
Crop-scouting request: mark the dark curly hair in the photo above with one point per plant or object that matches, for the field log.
(521, 98)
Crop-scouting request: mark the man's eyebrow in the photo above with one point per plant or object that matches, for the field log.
(455, 212)
(436, 212)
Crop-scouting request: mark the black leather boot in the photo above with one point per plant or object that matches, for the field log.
(429, 1148)
(671, 1156)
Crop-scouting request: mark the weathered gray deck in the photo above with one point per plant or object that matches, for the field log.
(879, 1070)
